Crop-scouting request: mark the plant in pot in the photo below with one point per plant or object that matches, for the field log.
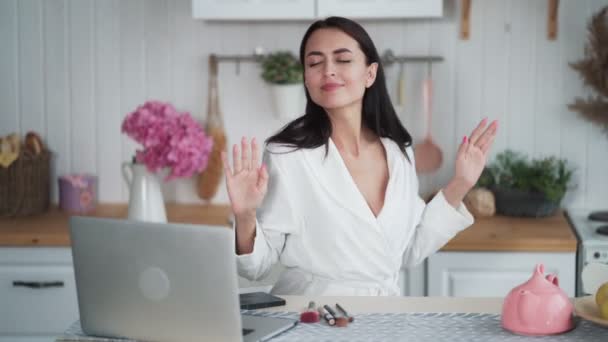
(283, 72)
(526, 188)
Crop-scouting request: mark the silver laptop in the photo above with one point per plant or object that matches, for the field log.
(161, 282)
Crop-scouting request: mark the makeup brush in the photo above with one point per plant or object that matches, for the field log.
(341, 309)
(310, 315)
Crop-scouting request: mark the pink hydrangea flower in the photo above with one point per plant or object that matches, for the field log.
(170, 139)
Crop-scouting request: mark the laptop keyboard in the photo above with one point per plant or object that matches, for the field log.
(247, 332)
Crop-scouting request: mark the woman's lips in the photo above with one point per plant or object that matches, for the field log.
(331, 86)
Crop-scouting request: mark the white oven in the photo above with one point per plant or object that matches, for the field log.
(592, 235)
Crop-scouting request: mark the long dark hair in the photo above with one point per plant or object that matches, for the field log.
(313, 129)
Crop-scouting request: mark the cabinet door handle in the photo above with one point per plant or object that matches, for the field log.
(37, 284)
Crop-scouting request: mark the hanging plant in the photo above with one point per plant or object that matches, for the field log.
(593, 70)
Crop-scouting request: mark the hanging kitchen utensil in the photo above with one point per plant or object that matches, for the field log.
(552, 19)
(427, 154)
(401, 86)
(465, 19)
(210, 179)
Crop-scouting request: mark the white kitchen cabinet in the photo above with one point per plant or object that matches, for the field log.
(381, 9)
(28, 312)
(313, 9)
(494, 274)
(412, 281)
(253, 9)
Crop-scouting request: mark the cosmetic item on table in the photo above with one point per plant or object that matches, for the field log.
(341, 309)
(77, 193)
(310, 315)
(327, 316)
(341, 321)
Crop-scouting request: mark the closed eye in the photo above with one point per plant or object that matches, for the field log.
(310, 65)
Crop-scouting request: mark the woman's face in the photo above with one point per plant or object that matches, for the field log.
(335, 70)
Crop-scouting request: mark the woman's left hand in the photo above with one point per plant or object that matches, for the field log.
(473, 151)
(470, 161)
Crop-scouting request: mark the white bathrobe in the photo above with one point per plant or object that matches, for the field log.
(316, 222)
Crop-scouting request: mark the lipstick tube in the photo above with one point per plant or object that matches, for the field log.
(327, 316)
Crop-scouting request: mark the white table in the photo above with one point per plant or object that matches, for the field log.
(356, 305)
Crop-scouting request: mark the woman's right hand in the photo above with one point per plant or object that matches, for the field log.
(247, 181)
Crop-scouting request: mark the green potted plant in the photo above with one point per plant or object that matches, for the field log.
(283, 72)
(526, 188)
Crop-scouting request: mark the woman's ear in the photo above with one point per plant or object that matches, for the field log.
(372, 69)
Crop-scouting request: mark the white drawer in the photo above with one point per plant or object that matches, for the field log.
(37, 300)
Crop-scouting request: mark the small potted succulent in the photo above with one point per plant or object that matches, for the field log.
(526, 188)
(283, 72)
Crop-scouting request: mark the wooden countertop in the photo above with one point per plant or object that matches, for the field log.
(498, 233)
(503, 233)
(51, 228)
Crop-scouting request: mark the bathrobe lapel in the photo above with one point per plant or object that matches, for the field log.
(332, 174)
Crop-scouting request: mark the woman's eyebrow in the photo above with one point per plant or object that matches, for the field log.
(342, 50)
(319, 53)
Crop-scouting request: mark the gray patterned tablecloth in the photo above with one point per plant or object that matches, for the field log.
(431, 327)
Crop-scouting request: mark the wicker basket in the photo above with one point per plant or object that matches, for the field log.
(513, 202)
(25, 185)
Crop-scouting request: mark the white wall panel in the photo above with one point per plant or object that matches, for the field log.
(548, 84)
(468, 74)
(496, 55)
(74, 69)
(519, 126)
(443, 43)
(31, 57)
(156, 53)
(82, 79)
(107, 100)
(56, 86)
(573, 19)
(9, 78)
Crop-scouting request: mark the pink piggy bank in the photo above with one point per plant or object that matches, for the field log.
(538, 307)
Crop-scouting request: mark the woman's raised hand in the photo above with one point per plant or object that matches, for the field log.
(470, 161)
(247, 181)
(472, 154)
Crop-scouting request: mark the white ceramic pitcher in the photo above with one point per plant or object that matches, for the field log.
(145, 196)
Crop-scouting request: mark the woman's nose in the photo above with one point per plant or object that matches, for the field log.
(329, 69)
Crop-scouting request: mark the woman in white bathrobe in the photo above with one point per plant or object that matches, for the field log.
(336, 197)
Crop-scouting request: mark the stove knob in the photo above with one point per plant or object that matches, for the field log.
(596, 255)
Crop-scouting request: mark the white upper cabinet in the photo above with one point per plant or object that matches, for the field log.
(313, 9)
(362, 9)
(253, 9)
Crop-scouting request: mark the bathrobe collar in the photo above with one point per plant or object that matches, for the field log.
(333, 175)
